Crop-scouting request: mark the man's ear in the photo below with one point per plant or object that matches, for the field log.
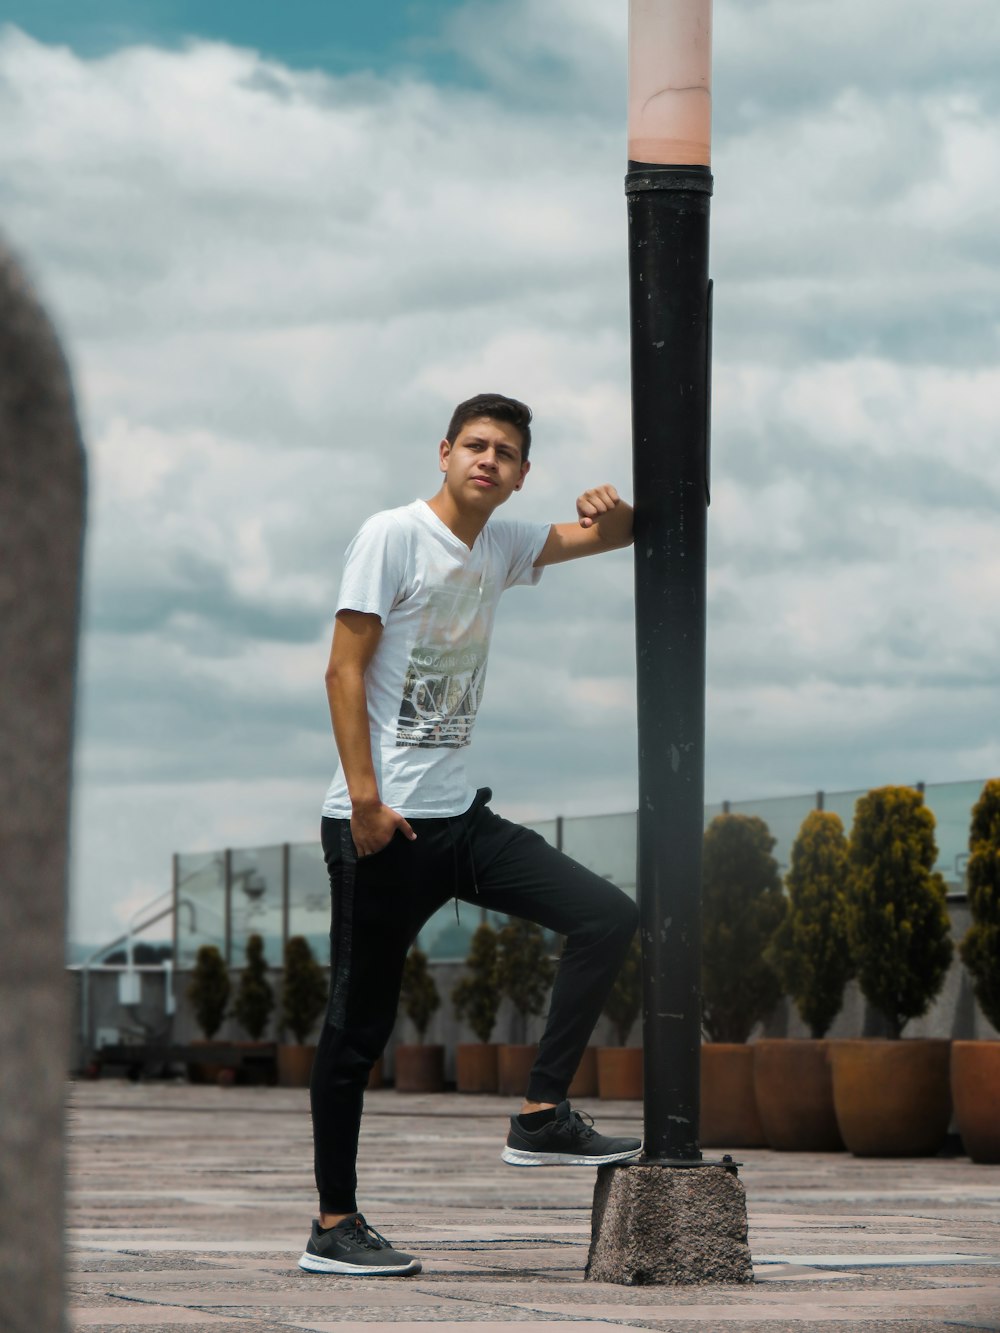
(444, 453)
(525, 469)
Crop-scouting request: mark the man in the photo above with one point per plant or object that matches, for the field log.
(403, 831)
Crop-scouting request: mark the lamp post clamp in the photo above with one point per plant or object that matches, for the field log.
(644, 176)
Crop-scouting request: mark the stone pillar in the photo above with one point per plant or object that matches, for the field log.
(41, 528)
(668, 1225)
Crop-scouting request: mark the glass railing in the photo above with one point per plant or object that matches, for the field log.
(277, 892)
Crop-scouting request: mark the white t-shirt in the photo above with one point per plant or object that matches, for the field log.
(436, 600)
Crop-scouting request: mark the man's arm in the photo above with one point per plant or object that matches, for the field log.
(356, 635)
(604, 524)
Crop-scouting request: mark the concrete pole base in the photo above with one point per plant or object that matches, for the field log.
(660, 1225)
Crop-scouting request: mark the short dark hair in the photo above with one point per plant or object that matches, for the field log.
(500, 408)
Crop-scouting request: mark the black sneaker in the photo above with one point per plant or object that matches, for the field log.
(353, 1247)
(568, 1140)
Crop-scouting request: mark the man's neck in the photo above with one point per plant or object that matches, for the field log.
(465, 526)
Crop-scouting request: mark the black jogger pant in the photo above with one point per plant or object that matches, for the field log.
(380, 903)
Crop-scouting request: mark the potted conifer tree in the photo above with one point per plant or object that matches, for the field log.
(525, 972)
(619, 1068)
(975, 1065)
(810, 954)
(742, 906)
(476, 998)
(303, 999)
(208, 992)
(252, 1009)
(419, 1067)
(892, 1097)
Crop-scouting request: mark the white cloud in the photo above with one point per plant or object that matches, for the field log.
(275, 284)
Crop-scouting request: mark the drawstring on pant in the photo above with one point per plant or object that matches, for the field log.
(454, 867)
(454, 860)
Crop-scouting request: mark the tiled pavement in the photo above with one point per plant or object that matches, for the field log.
(190, 1205)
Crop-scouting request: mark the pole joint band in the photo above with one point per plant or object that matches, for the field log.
(643, 176)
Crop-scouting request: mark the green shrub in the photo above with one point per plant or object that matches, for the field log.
(980, 948)
(208, 990)
(524, 969)
(625, 997)
(897, 922)
(476, 996)
(419, 993)
(303, 989)
(809, 951)
(254, 996)
(742, 906)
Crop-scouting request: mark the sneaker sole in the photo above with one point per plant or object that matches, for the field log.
(315, 1263)
(521, 1157)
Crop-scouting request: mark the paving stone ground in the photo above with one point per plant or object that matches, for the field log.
(189, 1207)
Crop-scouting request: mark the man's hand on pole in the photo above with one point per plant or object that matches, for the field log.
(603, 523)
(593, 503)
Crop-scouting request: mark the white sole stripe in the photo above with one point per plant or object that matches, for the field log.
(522, 1157)
(315, 1263)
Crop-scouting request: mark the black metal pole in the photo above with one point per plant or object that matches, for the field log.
(175, 882)
(228, 948)
(670, 292)
(286, 895)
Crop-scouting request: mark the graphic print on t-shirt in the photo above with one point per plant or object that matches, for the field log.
(446, 672)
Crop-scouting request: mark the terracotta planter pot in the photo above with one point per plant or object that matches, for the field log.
(619, 1072)
(207, 1070)
(259, 1067)
(975, 1086)
(295, 1065)
(513, 1067)
(892, 1098)
(729, 1116)
(375, 1075)
(476, 1066)
(585, 1079)
(419, 1068)
(793, 1086)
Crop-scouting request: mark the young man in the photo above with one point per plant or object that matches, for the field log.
(403, 831)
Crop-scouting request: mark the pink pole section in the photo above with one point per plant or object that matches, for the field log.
(670, 82)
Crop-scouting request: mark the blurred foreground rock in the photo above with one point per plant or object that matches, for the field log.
(41, 530)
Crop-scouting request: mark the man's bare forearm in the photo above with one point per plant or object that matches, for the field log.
(372, 823)
(345, 690)
(604, 523)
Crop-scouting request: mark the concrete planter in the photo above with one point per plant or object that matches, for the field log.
(892, 1098)
(729, 1116)
(476, 1066)
(514, 1064)
(619, 1072)
(375, 1075)
(793, 1086)
(419, 1068)
(206, 1070)
(295, 1065)
(975, 1087)
(258, 1064)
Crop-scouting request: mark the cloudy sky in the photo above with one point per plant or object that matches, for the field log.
(282, 241)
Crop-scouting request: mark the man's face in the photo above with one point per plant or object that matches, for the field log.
(484, 467)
